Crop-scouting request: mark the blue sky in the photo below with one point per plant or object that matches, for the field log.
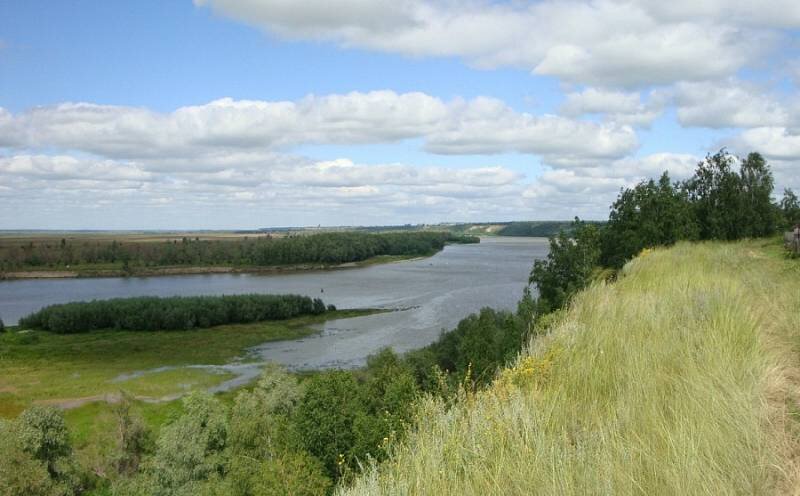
(249, 113)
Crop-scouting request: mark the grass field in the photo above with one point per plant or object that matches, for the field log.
(680, 378)
(57, 368)
(40, 367)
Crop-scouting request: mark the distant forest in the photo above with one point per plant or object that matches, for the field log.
(319, 249)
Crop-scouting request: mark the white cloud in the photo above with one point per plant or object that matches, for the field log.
(729, 103)
(777, 143)
(618, 107)
(61, 167)
(332, 181)
(588, 192)
(766, 13)
(228, 130)
(606, 42)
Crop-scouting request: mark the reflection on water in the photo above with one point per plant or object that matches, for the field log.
(432, 294)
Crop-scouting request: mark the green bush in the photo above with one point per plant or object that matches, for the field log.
(173, 313)
(37, 456)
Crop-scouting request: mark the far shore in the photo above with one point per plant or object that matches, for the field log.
(67, 273)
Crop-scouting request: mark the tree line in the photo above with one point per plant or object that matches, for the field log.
(151, 313)
(725, 199)
(322, 248)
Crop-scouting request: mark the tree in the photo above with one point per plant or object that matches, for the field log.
(265, 449)
(325, 418)
(789, 208)
(758, 216)
(260, 424)
(651, 214)
(714, 191)
(131, 437)
(37, 455)
(191, 448)
(568, 267)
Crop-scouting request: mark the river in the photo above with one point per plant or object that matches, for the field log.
(428, 295)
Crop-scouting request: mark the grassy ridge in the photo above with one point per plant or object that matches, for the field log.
(674, 380)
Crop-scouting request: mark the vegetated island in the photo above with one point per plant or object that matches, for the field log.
(87, 256)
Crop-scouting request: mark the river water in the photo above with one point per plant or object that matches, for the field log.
(428, 296)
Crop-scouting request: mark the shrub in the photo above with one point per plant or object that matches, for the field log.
(37, 455)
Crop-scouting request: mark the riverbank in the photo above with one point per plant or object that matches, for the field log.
(94, 272)
(679, 378)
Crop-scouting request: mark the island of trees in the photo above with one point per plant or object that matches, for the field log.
(173, 313)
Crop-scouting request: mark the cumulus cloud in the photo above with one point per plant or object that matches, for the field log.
(62, 167)
(333, 183)
(604, 42)
(246, 127)
(589, 191)
(777, 143)
(730, 103)
(618, 107)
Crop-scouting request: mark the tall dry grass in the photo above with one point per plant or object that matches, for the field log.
(680, 378)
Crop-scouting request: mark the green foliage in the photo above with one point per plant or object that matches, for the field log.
(732, 205)
(191, 448)
(173, 313)
(261, 424)
(322, 249)
(2, 326)
(533, 228)
(265, 451)
(293, 473)
(789, 209)
(37, 455)
(20, 473)
(717, 202)
(758, 214)
(475, 349)
(325, 418)
(568, 267)
(132, 437)
(651, 214)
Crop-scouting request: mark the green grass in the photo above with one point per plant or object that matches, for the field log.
(40, 367)
(680, 378)
(50, 368)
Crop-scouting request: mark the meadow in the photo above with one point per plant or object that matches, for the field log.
(79, 370)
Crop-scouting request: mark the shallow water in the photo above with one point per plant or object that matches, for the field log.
(430, 295)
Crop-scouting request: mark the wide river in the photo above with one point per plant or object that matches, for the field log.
(428, 295)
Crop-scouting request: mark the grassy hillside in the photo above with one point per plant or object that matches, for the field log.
(680, 378)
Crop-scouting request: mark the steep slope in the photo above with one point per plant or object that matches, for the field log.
(680, 378)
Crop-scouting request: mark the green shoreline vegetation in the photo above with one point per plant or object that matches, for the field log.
(47, 257)
(38, 366)
(658, 357)
(151, 313)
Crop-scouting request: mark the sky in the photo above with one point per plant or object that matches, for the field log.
(240, 114)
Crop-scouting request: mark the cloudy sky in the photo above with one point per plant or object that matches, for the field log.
(252, 113)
